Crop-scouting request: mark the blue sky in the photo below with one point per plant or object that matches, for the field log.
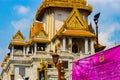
(15, 15)
(19, 14)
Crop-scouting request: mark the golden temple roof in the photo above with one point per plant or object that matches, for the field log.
(6, 58)
(74, 26)
(80, 33)
(79, 4)
(18, 39)
(18, 36)
(39, 40)
(18, 43)
(36, 28)
(37, 33)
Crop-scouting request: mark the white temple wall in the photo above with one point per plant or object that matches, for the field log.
(16, 71)
(84, 16)
(60, 16)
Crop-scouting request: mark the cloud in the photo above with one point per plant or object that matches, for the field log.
(21, 24)
(107, 35)
(106, 5)
(108, 21)
(21, 9)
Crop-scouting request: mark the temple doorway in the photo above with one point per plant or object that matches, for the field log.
(41, 75)
(75, 48)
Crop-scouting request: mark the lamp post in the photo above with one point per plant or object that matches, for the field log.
(96, 22)
(59, 66)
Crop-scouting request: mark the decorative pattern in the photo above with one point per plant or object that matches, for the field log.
(75, 21)
(18, 36)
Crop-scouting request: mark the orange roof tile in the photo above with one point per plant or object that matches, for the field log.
(18, 43)
(37, 27)
(81, 33)
(40, 40)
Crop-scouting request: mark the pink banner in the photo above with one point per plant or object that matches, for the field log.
(104, 65)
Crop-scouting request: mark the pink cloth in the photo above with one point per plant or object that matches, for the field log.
(104, 65)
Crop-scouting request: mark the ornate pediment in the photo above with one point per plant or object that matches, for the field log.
(75, 21)
(18, 36)
(42, 34)
(76, 24)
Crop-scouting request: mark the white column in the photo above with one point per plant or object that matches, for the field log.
(24, 50)
(70, 68)
(64, 44)
(12, 51)
(35, 48)
(27, 50)
(70, 42)
(92, 46)
(86, 46)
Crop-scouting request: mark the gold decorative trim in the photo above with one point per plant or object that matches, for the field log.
(80, 33)
(75, 21)
(61, 4)
(18, 36)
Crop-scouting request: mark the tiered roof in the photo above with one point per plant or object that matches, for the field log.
(79, 4)
(37, 33)
(74, 26)
(18, 39)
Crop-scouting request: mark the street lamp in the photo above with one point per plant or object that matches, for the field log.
(96, 22)
(55, 58)
(59, 66)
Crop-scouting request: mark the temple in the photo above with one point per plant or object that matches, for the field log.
(61, 27)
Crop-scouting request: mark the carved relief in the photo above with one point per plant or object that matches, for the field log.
(42, 34)
(18, 36)
(79, 1)
(76, 24)
(75, 21)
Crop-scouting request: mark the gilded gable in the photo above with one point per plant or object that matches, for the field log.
(18, 36)
(42, 34)
(76, 24)
(75, 21)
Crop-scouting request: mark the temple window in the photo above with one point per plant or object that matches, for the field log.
(41, 46)
(18, 49)
(89, 45)
(22, 71)
(65, 64)
(75, 48)
(49, 66)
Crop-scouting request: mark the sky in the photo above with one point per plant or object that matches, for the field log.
(19, 14)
